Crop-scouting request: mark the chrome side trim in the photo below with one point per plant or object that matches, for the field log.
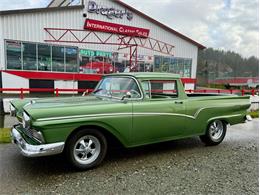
(35, 150)
(225, 116)
(161, 114)
(199, 110)
(116, 115)
(128, 114)
(87, 115)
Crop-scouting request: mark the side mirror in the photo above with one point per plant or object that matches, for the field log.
(127, 95)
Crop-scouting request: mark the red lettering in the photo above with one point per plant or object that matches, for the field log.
(121, 29)
(115, 28)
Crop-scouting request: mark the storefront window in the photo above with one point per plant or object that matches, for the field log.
(58, 58)
(181, 66)
(29, 56)
(166, 64)
(157, 63)
(44, 57)
(71, 59)
(187, 68)
(96, 62)
(14, 57)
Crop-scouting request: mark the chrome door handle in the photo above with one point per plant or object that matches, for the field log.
(178, 102)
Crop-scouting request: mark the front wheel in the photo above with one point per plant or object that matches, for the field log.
(215, 133)
(86, 149)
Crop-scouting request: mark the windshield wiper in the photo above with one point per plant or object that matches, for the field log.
(97, 90)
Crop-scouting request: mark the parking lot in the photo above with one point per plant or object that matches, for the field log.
(176, 167)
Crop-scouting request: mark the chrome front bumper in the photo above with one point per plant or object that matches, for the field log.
(35, 150)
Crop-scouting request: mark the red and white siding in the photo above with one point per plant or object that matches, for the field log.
(29, 26)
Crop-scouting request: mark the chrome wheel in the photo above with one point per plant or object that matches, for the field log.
(87, 149)
(216, 130)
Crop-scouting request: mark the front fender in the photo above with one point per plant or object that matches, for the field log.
(18, 105)
(58, 131)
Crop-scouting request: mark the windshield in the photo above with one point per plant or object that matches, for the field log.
(118, 87)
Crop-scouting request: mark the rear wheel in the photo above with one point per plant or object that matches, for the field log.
(215, 133)
(86, 149)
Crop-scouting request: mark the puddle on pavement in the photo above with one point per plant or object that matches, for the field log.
(6, 122)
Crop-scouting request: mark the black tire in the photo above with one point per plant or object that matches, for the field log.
(77, 150)
(211, 139)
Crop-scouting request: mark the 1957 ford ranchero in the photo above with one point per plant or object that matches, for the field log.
(132, 108)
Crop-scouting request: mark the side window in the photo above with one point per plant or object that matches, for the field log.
(163, 89)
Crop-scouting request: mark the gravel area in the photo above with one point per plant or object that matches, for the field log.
(177, 167)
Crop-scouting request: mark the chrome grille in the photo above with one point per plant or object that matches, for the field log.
(28, 132)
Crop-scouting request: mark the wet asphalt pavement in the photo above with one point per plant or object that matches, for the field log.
(177, 167)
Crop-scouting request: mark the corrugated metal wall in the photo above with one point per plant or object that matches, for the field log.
(29, 27)
(2, 64)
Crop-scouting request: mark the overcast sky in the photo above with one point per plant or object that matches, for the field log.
(224, 24)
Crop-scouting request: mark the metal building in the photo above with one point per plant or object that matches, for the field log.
(72, 46)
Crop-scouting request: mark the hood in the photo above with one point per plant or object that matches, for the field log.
(58, 107)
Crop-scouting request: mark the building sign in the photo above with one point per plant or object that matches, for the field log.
(93, 53)
(97, 25)
(109, 12)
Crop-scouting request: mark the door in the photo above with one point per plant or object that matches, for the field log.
(161, 116)
(40, 83)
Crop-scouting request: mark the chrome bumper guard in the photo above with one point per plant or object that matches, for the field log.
(248, 118)
(29, 150)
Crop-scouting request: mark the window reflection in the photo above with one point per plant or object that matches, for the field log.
(181, 66)
(58, 58)
(13, 52)
(29, 56)
(71, 60)
(44, 57)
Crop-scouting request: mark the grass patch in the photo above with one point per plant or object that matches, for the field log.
(254, 113)
(5, 135)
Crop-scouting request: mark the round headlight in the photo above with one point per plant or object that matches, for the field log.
(26, 120)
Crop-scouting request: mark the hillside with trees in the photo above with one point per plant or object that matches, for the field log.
(213, 64)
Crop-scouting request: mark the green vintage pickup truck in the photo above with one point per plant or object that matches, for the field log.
(132, 108)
